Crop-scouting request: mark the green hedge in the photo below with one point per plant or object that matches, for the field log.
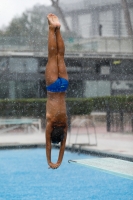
(75, 106)
(37, 107)
(114, 103)
(23, 107)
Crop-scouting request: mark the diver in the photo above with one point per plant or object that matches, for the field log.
(56, 83)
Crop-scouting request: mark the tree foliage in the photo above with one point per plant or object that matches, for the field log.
(31, 29)
(31, 23)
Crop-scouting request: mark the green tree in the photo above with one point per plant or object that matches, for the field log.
(29, 28)
(30, 23)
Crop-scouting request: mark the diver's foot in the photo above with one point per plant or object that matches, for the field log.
(53, 20)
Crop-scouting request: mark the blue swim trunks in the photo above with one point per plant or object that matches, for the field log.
(60, 85)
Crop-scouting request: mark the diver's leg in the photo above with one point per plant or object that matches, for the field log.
(60, 55)
(51, 73)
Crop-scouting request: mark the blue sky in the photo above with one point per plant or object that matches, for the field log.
(12, 8)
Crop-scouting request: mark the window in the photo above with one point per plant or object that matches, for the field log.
(3, 65)
(23, 65)
(26, 89)
(97, 88)
(4, 90)
(122, 67)
(122, 85)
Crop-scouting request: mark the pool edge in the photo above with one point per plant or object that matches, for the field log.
(69, 148)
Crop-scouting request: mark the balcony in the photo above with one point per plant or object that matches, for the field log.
(74, 46)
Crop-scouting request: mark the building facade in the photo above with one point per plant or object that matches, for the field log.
(97, 18)
(23, 76)
(99, 55)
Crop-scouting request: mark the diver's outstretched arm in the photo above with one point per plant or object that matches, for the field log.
(62, 147)
(48, 142)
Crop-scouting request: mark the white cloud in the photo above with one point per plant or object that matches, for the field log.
(11, 8)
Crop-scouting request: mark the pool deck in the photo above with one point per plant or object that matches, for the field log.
(108, 143)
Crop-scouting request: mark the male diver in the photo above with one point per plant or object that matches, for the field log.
(57, 82)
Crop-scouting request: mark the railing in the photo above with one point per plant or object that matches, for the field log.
(97, 44)
(119, 121)
(23, 44)
(102, 44)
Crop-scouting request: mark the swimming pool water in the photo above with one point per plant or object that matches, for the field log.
(24, 175)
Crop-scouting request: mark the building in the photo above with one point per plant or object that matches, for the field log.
(99, 57)
(91, 18)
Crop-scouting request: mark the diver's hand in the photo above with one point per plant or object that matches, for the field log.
(54, 166)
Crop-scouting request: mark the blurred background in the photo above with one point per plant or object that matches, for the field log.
(99, 47)
(99, 50)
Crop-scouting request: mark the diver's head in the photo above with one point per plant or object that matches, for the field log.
(57, 134)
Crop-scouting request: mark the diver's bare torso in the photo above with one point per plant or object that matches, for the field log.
(56, 109)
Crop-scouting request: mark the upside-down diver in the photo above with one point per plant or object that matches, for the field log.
(57, 82)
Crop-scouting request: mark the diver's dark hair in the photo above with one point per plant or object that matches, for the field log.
(57, 134)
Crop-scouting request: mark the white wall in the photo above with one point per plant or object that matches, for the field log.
(85, 27)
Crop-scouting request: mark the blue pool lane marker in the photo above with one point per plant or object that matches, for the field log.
(110, 165)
